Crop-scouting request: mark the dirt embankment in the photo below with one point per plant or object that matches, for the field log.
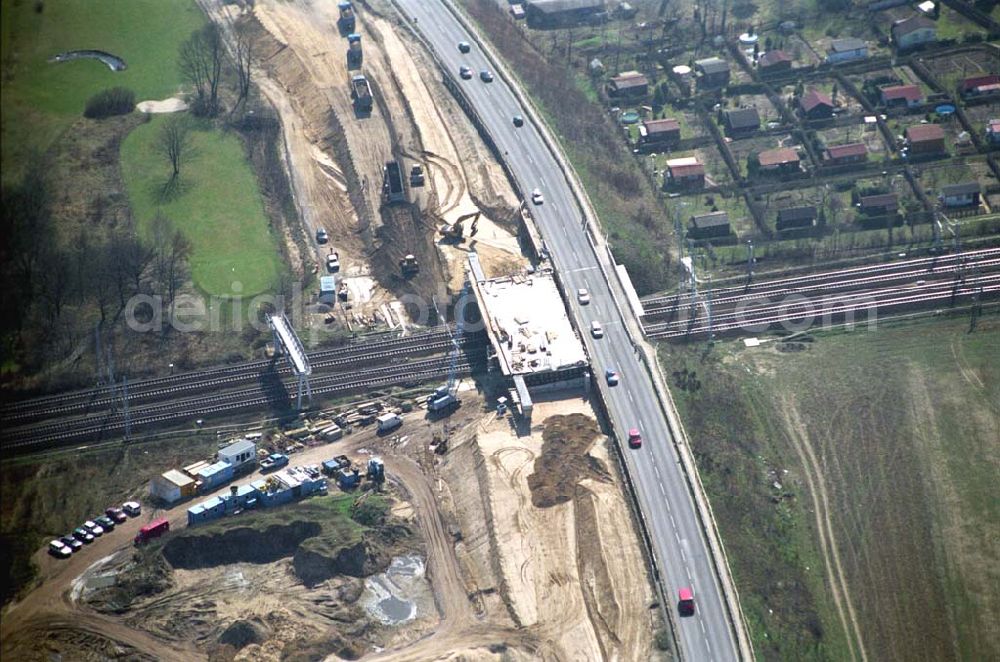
(565, 460)
(238, 545)
(546, 539)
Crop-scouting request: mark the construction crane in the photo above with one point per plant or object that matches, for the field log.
(445, 397)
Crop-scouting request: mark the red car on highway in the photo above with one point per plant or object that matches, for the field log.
(685, 602)
(634, 438)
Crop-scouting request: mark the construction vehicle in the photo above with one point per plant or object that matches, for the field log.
(445, 398)
(417, 175)
(392, 183)
(409, 265)
(361, 93)
(346, 22)
(154, 529)
(354, 54)
(455, 233)
(347, 479)
(439, 445)
(376, 470)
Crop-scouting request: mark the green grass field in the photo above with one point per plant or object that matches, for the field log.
(902, 423)
(41, 99)
(219, 208)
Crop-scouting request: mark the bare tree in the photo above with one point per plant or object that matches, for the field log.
(171, 250)
(244, 56)
(175, 143)
(200, 59)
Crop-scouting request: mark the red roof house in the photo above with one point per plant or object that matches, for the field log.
(902, 95)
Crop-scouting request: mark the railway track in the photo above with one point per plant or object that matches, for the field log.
(766, 314)
(38, 437)
(915, 267)
(103, 398)
(860, 283)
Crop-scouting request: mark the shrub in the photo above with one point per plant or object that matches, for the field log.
(370, 512)
(115, 101)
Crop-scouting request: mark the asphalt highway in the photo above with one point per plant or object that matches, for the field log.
(664, 495)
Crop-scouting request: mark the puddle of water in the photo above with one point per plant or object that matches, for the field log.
(113, 62)
(391, 597)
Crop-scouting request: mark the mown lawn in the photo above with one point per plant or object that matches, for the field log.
(218, 207)
(41, 99)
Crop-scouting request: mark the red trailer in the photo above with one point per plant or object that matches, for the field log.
(154, 529)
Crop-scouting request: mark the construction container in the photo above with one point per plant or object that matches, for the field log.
(328, 290)
(172, 486)
(241, 455)
(215, 475)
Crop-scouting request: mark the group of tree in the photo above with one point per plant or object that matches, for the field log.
(56, 287)
(203, 63)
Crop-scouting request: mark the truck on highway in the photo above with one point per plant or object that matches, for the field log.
(154, 529)
(346, 22)
(354, 54)
(361, 93)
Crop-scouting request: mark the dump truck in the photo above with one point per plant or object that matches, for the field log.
(346, 23)
(154, 529)
(354, 54)
(392, 183)
(361, 93)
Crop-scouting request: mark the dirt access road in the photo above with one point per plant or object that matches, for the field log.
(511, 580)
(47, 614)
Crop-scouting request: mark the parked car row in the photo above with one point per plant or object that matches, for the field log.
(93, 528)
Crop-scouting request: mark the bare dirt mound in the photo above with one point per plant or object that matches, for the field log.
(565, 461)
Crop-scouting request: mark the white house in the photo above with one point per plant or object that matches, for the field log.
(849, 49)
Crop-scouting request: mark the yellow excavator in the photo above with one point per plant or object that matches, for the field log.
(455, 233)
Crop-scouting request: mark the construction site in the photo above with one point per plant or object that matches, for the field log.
(502, 529)
(381, 156)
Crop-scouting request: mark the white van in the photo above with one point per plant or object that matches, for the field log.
(388, 422)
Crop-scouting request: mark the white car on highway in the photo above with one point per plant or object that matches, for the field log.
(536, 197)
(583, 296)
(596, 329)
